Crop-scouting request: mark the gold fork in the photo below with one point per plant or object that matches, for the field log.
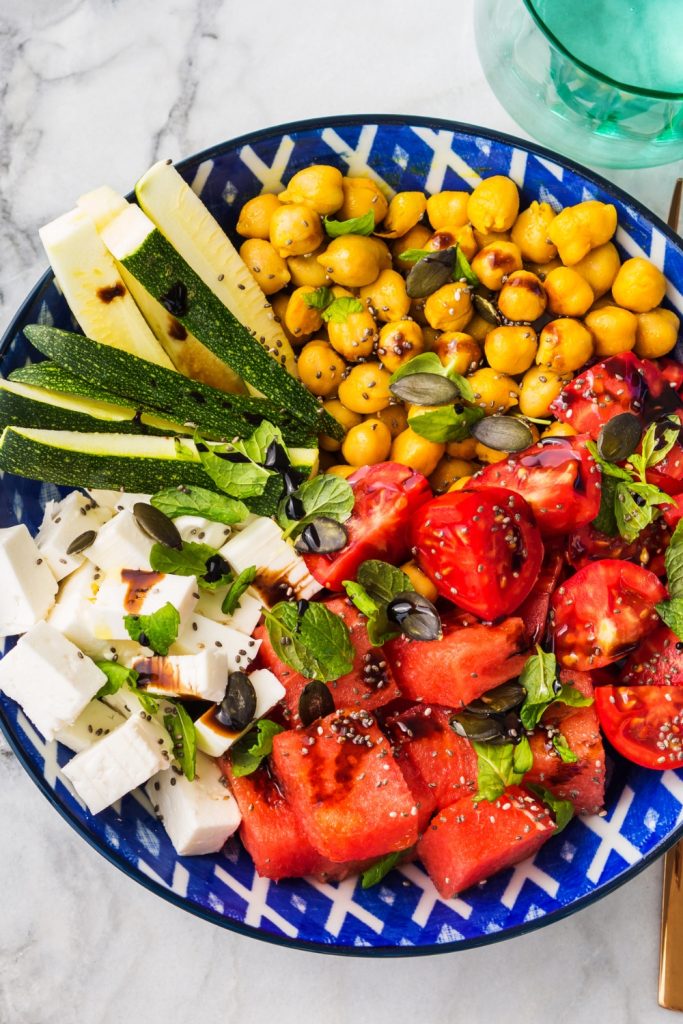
(671, 936)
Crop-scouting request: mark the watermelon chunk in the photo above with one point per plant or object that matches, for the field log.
(466, 662)
(346, 788)
(656, 661)
(534, 609)
(370, 684)
(468, 842)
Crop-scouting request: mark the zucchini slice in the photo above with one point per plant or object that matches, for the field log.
(185, 221)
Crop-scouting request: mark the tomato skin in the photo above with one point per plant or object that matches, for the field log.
(387, 496)
(558, 477)
(656, 661)
(588, 545)
(534, 609)
(602, 612)
(481, 549)
(643, 723)
(672, 372)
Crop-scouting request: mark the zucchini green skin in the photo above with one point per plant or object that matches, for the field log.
(160, 269)
(19, 411)
(54, 378)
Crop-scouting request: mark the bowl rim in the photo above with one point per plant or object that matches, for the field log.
(115, 858)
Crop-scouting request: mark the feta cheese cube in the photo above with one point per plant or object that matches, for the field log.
(28, 585)
(202, 531)
(63, 522)
(116, 501)
(94, 723)
(151, 592)
(281, 571)
(199, 816)
(50, 678)
(121, 544)
(201, 634)
(213, 738)
(120, 762)
(245, 617)
(203, 675)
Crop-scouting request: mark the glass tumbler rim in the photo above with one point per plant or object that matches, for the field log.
(661, 94)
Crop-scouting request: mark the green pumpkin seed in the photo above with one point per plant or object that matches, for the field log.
(430, 273)
(425, 389)
(487, 309)
(478, 729)
(315, 702)
(157, 525)
(503, 433)
(80, 543)
(619, 437)
(497, 702)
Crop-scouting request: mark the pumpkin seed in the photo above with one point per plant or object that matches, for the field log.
(238, 707)
(478, 729)
(276, 458)
(80, 543)
(514, 730)
(416, 617)
(425, 389)
(497, 702)
(157, 525)
(430, 273)
(503, 433)
(216, 568)
(292, 479)
(322, 536)
(294, 507)
(487, 309)
(315, 702)
(619, 437)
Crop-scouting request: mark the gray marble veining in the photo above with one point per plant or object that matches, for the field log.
(92, 91)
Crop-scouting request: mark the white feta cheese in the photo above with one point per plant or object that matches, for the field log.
(202, 531)
(28, 587)
(213, 738)
(151, 592)
(63, 522)
(203, 675)
(50, 678)
(116, 501)
(121, 544)
(280, 569)
(120, 762)
(94, 723)
(201, 634)
(199, 816)
(245, 617)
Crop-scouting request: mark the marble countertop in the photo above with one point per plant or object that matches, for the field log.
(93, 91)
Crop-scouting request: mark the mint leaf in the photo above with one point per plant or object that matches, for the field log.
(463, 270)
(157, 631)
(572, 697)
(363, 225)
(316, 643)
(608, 468)
(248, 752)
(415, 255)
(495, 769)
(190, 560)
(238, 479)
(446, 424)
(606, 520)
(377, 871)
(319, 299)
(634, 508)
(671, 613)
(360, 597)
(523, 758)
(237, 589)
(180, 727)
(567, 755)
(673, 560)
(324, 495)
(382, 581)
(198, 501)
(427, 362)
(257, 444)
(655, 447)
(562, 810)
(117, 676)
(539, 679)
(339, 309)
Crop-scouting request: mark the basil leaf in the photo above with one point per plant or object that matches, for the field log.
(415, 255)
(572, 697)
(198, 501)
(523, 758)
(360, 597)
(671, 613)
(567, 755)
(157, 631)
(117, 676)
(319, 299)
(324, 495)
(631, 516)
(382, 581)
(316, 644)
(427, 362)
(363, 225)
(608, 468)
(462, 384)
(149, 704)
(463, 270)
(238, 479)
(669, 436)
(562, 810)
(376, 872)
(180, 727)
(190, 560)
(606, 520)
(538, 677)
(339, 309)
(495, 769)
(445, 424)
(237, 589)
(248, 752)
(673, 560)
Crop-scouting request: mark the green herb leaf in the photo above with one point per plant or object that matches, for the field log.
(427, 362)
(631, 515)
(363, 225)
(463, 269)
(149, 704)
(360, 597)
(572, 697)
(117, 676)
(257, 444)
(238, 479)
(608, 468)
(339, 309)
(198, 501)
(319, 299)
(382, 581)
(414, 255)
(606, 520)
(377, 871)
(523, 758)
(538, 678)
(237, 589)
(562, 810)
(567, 755)
(190, 560)
(655, 447)
(496, 769)
(446, 424)
(248, 752)
(324, 495)
(180, 727)
(673, 560)
(462, 384)
(317, 643)
(157, 631)
(671, 613)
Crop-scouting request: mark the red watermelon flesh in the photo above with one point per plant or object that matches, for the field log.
(468, 842)
(656, 661)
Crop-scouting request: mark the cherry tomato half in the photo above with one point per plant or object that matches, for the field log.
(481, 549)
(656, 661)
(644, 723)
(587, 545)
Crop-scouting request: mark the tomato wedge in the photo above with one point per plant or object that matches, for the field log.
(602, 612)
(587, 545)
(656, 661)
(644, 723)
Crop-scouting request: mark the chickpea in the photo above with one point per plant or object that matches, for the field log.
(478, 328)
(254, 219)
(326, 460)
(484, 238)
(351, 260)
(383, 252)
(367, 444)
(306, 270)
(302, 320)
(321, 368)
(366, 388)
(639, 285)
(578, 229)
(490, 455)
(511, 349)
(569, 294)
(387, 297)
(342, 470)
(457, 351)
(295, 230)
(267, 268)
(541, 270)
(449, 308)
(495, 262)
(399, 342)
(361, 195)
(353, 338)
(417, 313)
(448, 471)
(318, 186)
(405, 210)
(494, 204)
(416, 452)
(395, 418)
(599, 267)
(462, 449)
(448, 209)
(522, 297)
(446, 238)
(613, 330)
(342, 415)
(539, 388)
(564, 345)
(557, 429)
(421, 584)
(430, 335)
(460, 484)
(657, 333)
(530, 233)
(279, 302)
(416, 238)
(493, 391)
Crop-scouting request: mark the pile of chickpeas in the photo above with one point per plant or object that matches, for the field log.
(556, 278)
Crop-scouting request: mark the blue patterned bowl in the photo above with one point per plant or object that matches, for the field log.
(403, 915)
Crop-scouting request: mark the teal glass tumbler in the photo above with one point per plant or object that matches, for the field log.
(597, 80)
